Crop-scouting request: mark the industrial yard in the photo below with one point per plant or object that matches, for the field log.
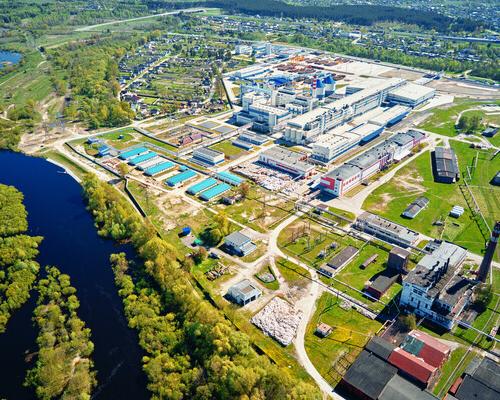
(311, 186)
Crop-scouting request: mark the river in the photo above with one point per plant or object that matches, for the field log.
(57, 212)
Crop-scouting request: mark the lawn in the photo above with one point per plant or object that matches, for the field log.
(416, 179)
(231, 151)
(31, 81)
(157, 143)
(312, 239)
(292, 273)
(450, 369)
(346, 214)
(356, 277)
(443, 119)
(60, 158)
(274, 285)
(485, 322)
(351, 331)
(255, 212)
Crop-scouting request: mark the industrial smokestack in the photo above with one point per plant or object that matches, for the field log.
(489, 254)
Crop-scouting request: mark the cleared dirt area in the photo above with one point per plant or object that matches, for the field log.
(402, 73)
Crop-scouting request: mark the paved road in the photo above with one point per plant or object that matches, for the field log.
(120, 21)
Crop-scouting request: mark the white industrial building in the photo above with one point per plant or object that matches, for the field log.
(386, 230)
(288, 161)
(305, 128)
(258, 110)
(243, 49)
(251, 71)
(434, 289)
(390, 116)
(341, 179)
(331, 146)
(411, 95)
(208, 156)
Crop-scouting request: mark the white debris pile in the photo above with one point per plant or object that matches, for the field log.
(269, 178)
(278, 319)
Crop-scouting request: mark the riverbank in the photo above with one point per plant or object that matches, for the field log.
(56, 210)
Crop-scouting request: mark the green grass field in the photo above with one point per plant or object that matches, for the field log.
(450, 369)
(231, 151)
(294, 274)
(31, 81)
(416, 179)
(443, 119)
(356, 277)
(60, 158)
(309, 244)
(256, 214)
(351, 332)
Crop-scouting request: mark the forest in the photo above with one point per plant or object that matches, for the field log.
(39, 15)
(90, 69)
(351, 14)
(18, 270)
(193, 351)
(63, 368)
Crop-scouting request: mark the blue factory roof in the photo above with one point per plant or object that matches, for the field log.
(203, 185)
(319, 83)
(215, 191)
(229, 178)
(143, 157)
(179, 178)
(159, 168)
(104, 149)
(329, 80)
(132, 152)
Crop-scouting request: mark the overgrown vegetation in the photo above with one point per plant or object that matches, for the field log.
(18, 270)
(194, 353)
(63, 368)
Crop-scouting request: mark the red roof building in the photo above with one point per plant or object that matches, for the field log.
(412, 365)
(430, 349)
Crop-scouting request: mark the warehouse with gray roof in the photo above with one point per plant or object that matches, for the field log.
(445, 165)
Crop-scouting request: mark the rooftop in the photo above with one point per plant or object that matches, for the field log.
(437, 267)
(245, 288)
(412, 365)
(400, 252)
(365, 129)
(399, 388)
(388, 226)
(288, 158)
(369, 374)
(412, 91)
(383, 84)
(380, 347)
(445, 162)
(341, 258)
(389, 114)
(424, 346)
(238, 239)
(208, 152)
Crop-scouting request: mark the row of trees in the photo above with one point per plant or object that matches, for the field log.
(18, 270)
(63, 369)
(193, 351)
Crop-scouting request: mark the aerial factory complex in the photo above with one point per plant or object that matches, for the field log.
(341, 213)
(291, 164)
